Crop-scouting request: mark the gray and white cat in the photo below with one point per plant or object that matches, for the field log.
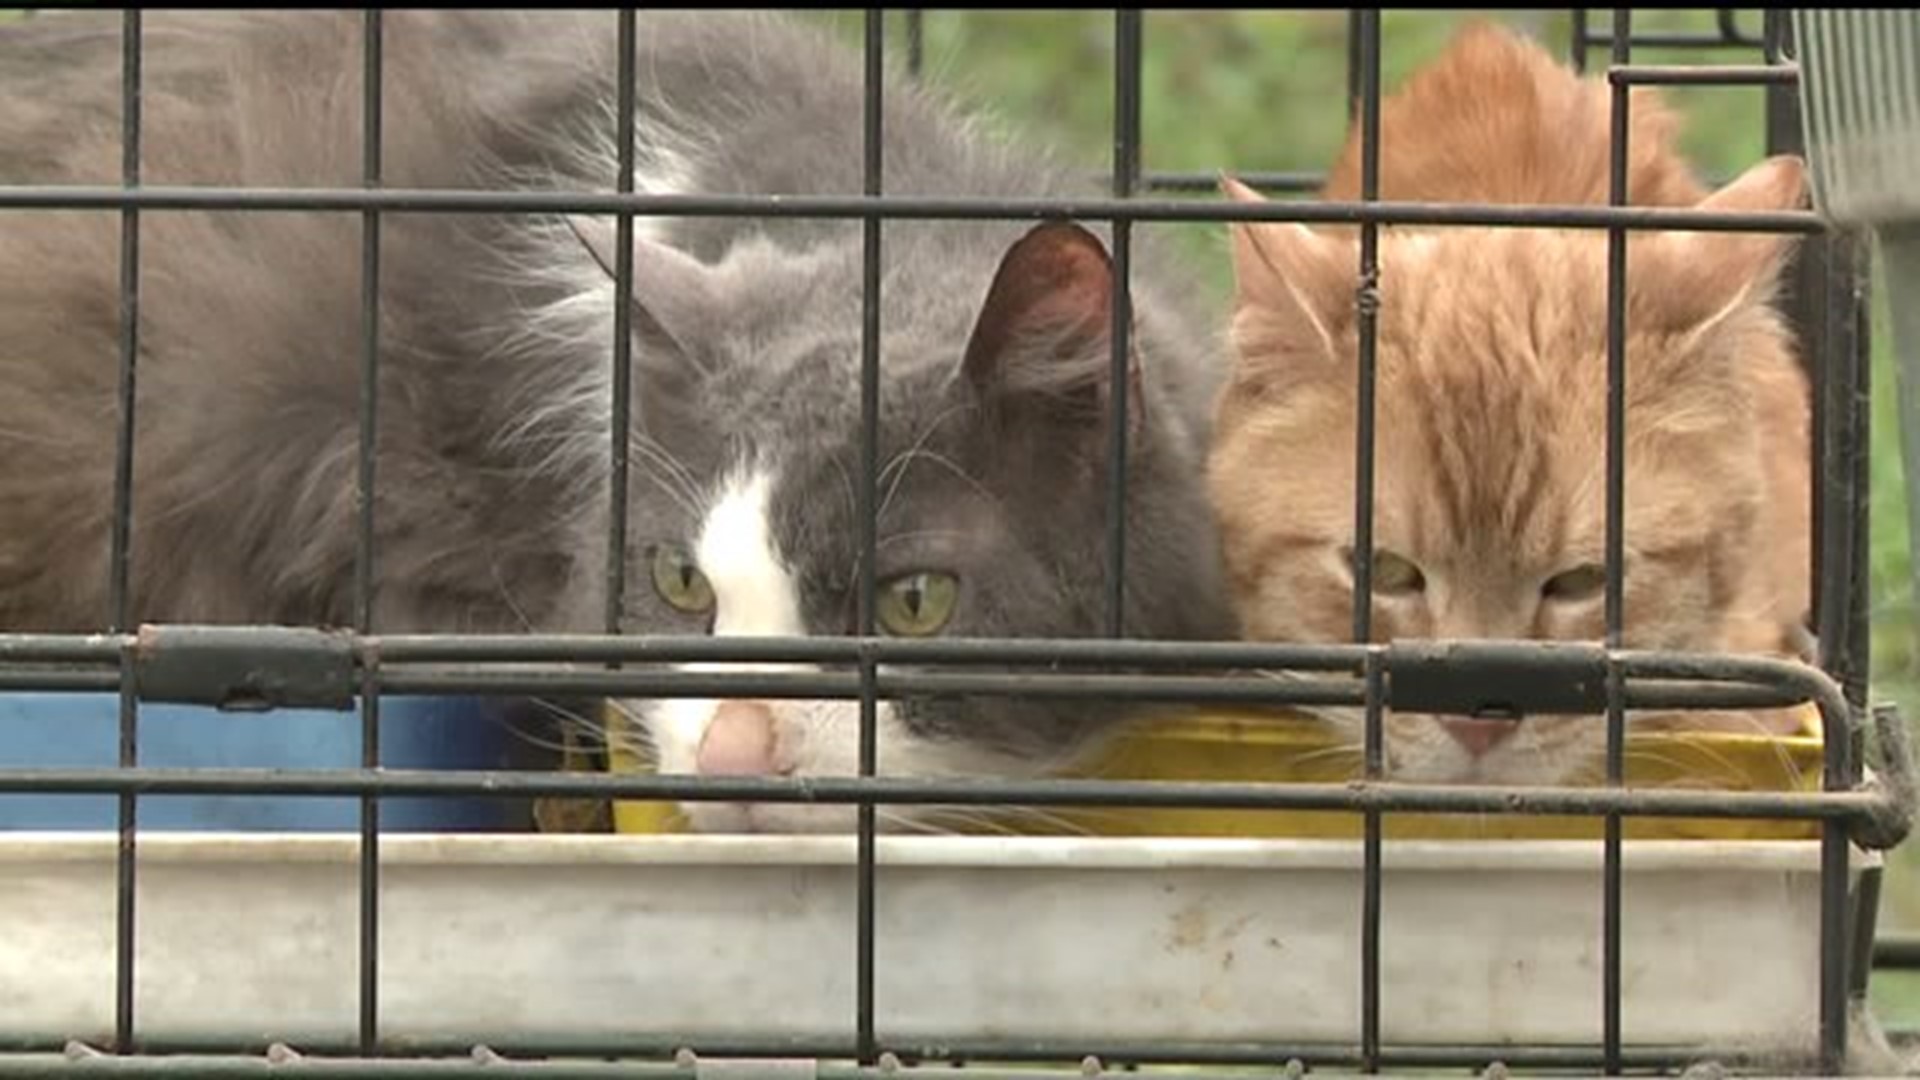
(496, 385)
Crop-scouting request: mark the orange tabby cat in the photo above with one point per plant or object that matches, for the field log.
(1490, 494)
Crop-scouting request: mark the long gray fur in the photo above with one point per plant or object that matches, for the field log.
(496, 342)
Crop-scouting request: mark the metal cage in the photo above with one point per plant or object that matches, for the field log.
(358, 669)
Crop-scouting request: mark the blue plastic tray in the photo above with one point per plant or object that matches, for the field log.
(83, 731)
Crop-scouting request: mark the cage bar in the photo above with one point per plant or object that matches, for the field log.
(1844, 809)
(620, 450)
(904, 207)
(916, 40)
(1357, 674)
(1126, 168)
(122, 538)
(1366, 24)
(1217, 1062)
(372, 140)
(1617, 195)
(873, 142)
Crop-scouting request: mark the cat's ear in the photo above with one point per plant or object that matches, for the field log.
(1694, 280)
(1292, 286)
(674, 294)
(1042, 344)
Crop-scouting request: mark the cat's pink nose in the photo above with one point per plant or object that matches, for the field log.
(739, 741)
(1477, 737)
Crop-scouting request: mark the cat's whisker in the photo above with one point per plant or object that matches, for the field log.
(921, 823)
(676, 492)
(629, 718)
(945, 820)
(1683, 777)
(1007, 820)
(657, 465)
(894, 465)
(658, 453)
(588, 732)
(1542, 755)
(1060, 821)
(918, 534)
(1339, 717)
(1354, 753)
(673, 477)
(596, 738)
(504, 588)
(955, 468)
(538, 742)
(1781, 756)
(894, 474)
(1586, 772)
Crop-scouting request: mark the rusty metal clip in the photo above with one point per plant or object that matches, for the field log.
(244, 668)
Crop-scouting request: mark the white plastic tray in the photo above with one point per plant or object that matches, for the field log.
(491, 938)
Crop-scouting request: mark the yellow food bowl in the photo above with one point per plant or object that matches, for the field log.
(1284, 747)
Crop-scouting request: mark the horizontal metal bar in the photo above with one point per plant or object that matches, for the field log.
(254, 668)
(1291, 182)
(890, 207)
(1210, 181)
(1897, 951)
(1669, 694)
(57, 680)
(1257, 673)
(1353, 795)
(1716, 75)
(220, 1067)
(1662, 695)
(1160, 688)
(63, 648)
(1169, 689)
(1508, 678)
(1806, 682)
(431, 1059)
(401, 650)
(1672, 39)
(670, 683)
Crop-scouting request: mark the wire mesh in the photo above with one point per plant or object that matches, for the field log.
(850, 668)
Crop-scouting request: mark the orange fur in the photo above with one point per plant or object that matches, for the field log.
(1496, 119)
(1491, 403)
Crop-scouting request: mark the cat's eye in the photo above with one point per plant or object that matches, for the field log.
(1394, 575)
(679, 582)
(1583, 582)
(916, 604)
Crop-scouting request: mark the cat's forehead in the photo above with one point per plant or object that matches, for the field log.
(803, 423)
(807, 401)
(1542, 291)
(1543, 294)
(787, 384)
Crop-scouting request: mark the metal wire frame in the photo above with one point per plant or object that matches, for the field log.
(172, 666)
(867, 1043)
(122, 543)
(486, 1063)
(1832, 310)
(365, 581)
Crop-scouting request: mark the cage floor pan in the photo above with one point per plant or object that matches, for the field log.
(604, 939)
